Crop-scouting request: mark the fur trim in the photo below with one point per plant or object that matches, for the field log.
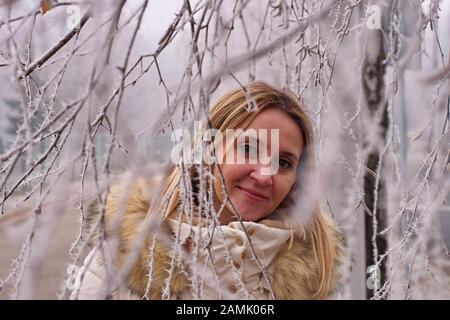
(128, 203)
(296, 270)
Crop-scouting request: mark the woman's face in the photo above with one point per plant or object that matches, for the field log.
(254, 193)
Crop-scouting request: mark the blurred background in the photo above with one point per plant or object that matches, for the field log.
(90, 89)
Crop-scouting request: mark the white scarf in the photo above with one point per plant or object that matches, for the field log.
(235, 277)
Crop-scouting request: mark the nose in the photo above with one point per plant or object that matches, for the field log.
(262, 179)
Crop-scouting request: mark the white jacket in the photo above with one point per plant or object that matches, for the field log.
(235, 273)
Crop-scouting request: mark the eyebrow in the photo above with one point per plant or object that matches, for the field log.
(289, 154)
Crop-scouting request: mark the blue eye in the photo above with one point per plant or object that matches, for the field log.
(284, 164)
(247, 148)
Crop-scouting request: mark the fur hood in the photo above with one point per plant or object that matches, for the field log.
(295, 269)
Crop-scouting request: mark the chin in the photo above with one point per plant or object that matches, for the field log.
(248, 212)
(251, 216)
(248, 218)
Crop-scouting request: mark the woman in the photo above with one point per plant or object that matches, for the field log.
(237, 227)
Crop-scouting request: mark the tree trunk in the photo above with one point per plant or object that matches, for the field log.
(375, 218)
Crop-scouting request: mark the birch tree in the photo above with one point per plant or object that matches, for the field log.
(100, 86)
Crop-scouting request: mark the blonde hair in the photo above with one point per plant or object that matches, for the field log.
(237, 109)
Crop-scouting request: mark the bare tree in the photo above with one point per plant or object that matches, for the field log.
(97, 84)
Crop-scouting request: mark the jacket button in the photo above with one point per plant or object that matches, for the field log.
(188, 244)
(243, 255)
(239, 241)
(237, 265)
(232, 289)
(250, 232)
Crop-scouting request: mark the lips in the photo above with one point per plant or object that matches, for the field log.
(253, 194)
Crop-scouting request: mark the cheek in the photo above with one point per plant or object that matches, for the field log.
(283, 186)
(232, 173)
(227, 177)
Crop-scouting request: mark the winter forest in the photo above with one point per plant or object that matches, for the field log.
(93, 90)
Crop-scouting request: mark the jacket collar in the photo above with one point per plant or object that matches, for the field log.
(295, 267)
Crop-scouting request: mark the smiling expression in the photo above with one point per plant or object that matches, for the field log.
(256, 195)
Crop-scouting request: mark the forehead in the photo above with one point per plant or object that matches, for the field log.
(289, 131)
